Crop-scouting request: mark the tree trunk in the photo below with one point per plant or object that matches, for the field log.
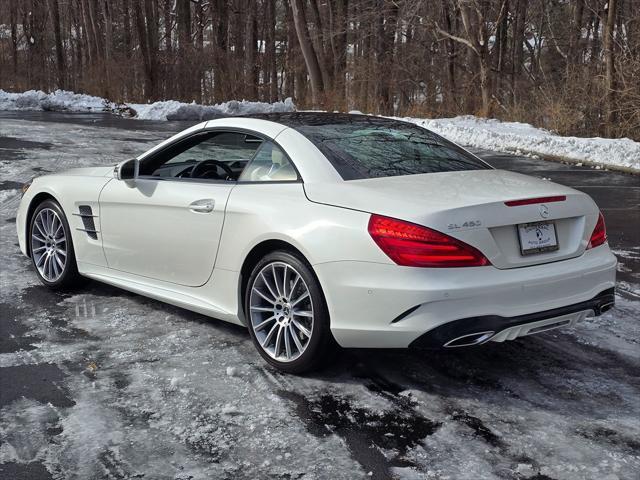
(184, 77)
(292, 46)
(308, 52)
(318, 41)
(13, 19)
(60, 54)
(147, 37)
(220, 24)
(94, 28)
(168, 25)
(609, 55)
(450, 97)
(108, 42)
(501, 47)
(387, 44)
(485, 87)
(576, 34)
(197, 66)
(339, 28)
(237, 88)
(126, 22)
(271, 68)
(517, 57)
(250, 53)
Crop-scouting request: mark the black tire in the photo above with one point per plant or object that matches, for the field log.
(319, 347)
(69, 277)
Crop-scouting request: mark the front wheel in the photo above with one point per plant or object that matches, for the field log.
(287, 314)
(51, 247)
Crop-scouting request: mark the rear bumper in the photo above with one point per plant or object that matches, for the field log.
(376, 305)
(476, 330)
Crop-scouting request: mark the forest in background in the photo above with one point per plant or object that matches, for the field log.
(572, 66)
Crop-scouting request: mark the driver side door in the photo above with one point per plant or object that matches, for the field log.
(166, 225)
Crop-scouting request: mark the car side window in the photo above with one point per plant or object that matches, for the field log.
(207, 155)
(269, 164)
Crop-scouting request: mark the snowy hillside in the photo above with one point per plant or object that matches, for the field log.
(490, 134)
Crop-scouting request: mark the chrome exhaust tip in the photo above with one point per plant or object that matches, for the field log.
(604, 307)
(469, 339)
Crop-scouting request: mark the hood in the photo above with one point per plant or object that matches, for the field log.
(89, 171)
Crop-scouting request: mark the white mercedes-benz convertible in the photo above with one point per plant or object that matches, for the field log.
(314, 228)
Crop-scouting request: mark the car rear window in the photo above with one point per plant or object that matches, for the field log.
(370, 149)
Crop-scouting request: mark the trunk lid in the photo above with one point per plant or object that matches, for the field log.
(470, 206)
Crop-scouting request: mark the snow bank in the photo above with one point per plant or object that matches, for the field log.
(519, 138)
(60, 100)
(173, 110)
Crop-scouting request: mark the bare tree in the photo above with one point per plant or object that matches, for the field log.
(568, 65)
(308, 52)
(60, 54)
(609, 54)
(476, 35)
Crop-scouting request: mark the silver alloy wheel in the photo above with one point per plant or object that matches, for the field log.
(281, 311)
(49, 244)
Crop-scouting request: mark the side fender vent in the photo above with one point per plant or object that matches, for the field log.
(86, 214)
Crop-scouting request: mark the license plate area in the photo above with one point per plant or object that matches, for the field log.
(537, 237)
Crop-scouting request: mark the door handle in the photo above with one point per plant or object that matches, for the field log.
(202, 206)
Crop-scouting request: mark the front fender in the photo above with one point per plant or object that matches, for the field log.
(69, 191)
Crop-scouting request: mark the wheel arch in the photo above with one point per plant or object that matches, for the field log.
(253, 257)
(33, 204)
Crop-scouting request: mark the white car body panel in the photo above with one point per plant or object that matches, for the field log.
(143, 225)
(380, 293)
(322, 233)
(75, 187)
(151, 243)
(207, 300)
(445, 201)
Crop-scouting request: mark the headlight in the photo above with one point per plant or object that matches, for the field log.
(26, 186)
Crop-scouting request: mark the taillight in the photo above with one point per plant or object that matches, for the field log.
(413, 245)
(532, 201)
(599, 235)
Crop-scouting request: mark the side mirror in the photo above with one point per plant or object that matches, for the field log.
(127, 170)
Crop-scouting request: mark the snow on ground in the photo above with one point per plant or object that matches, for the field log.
(489, 134)
(61, 100)
(522, 138)
(173, 110)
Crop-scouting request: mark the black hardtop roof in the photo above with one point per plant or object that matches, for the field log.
(302, 119)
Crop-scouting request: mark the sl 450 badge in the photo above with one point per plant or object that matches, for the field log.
(467, 224)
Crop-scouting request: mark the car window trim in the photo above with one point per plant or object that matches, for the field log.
(204, 131)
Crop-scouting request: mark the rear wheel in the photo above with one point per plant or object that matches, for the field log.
(51, 247)
(287, 314)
